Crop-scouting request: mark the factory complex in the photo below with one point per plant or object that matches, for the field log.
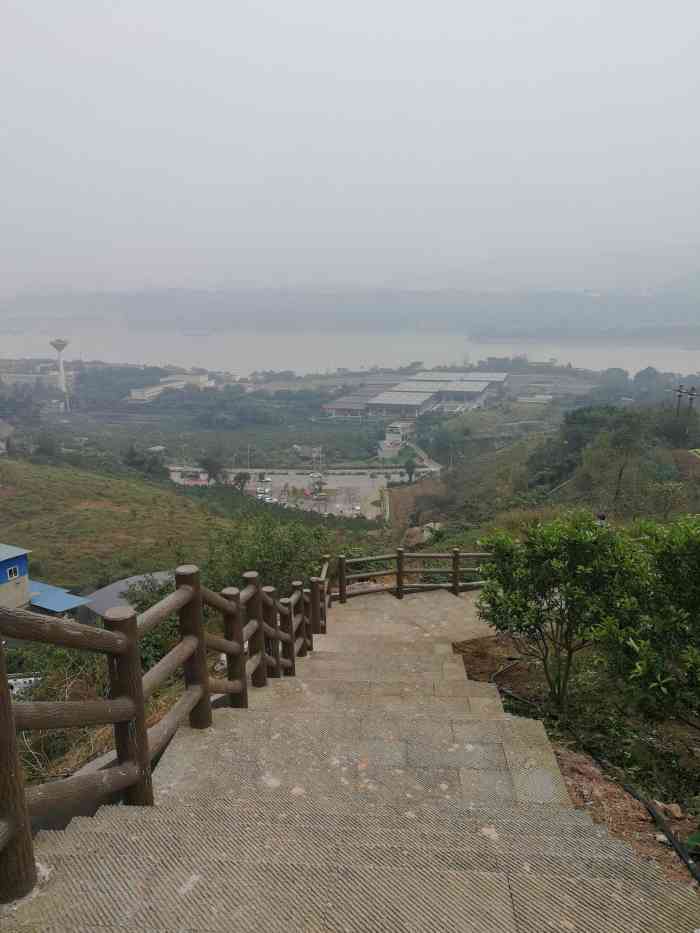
(437, 391)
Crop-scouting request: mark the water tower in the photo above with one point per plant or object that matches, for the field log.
(59, 345)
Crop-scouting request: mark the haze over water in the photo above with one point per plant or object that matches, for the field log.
(244, 352)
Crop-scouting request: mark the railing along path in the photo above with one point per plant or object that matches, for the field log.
(262, 637)
(400, 565)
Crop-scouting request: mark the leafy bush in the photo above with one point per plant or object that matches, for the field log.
(660, 656)
(279, 552)
(556, 590)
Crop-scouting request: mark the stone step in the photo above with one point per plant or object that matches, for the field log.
(254, 838)
(441, 812)
(169, 888)
(381, 825)
(408, 698)
(198, 894)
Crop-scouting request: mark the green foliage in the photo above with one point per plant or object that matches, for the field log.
(213, 462)
(279, 552)
(556, 589)
(156, 643)
(410, 466)
(110, 385)
(149, 463)
(241, 480)
(657, 654)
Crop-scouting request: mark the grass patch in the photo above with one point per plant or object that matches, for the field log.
(84, 529)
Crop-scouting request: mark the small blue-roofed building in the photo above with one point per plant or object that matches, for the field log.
(53, 599)
(14, 577)
(18, 591)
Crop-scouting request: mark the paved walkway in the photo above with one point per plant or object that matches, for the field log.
(377, 791)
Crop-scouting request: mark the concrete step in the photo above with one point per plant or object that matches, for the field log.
(381, 825)
(254, 837)
(406, 697)
(199, 894)
(185, 888)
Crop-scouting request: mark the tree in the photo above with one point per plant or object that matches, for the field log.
(241, 480)
(555, 591)
(410, 468)
(47, 445)
(213, 463)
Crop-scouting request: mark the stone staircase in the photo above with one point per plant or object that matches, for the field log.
(378, 790)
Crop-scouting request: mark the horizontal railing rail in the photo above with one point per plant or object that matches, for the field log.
(30, 626)
(261, 636)
(402, 564)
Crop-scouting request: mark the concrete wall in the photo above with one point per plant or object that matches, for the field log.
(14, 593)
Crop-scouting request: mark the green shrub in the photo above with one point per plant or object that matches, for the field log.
(659, 657)
(280, 553)
(557, 589)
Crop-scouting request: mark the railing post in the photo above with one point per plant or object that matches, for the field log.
(324, 593)
(308, 631)
(256, 643)
(298, 587)
(342, 590)
(17, 866)
(287, 626)
(455, 571)
(192, 623)
(125, 680)
(233, 630)
(315, 606)
(270, 616)
(399, 573)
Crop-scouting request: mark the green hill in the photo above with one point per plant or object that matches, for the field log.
(84, 529)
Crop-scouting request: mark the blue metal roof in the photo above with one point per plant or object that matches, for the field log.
(53, 598)
(8, 552)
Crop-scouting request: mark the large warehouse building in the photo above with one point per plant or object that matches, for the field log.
(424, 391)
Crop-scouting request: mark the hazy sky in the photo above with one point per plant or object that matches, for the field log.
(496, 143)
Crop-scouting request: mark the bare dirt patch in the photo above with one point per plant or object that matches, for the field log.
(624, 816)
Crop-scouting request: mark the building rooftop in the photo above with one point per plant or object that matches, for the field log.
(113, 594)
(348, 401)
(401, 398)
(480, 375)
(7, 551)
(441, 386)
(53, 598)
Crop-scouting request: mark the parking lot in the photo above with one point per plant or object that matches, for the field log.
(341, 493)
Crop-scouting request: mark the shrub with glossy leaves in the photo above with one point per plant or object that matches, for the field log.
(557, 588)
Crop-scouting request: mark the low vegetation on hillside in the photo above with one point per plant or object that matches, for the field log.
(608, 622)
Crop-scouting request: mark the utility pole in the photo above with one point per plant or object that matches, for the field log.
(681, 392)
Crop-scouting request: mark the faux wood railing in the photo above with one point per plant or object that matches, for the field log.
(263, 636)
(401, 565)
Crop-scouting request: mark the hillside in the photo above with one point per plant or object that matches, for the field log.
(84, 529)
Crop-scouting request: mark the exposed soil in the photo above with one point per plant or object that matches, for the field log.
(589, 787)
(402, 499)
(688, 464)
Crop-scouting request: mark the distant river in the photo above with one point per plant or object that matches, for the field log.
(242, 353)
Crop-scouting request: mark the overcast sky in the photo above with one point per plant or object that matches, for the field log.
(450, 143)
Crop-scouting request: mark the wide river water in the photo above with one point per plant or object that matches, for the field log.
(242, 353)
